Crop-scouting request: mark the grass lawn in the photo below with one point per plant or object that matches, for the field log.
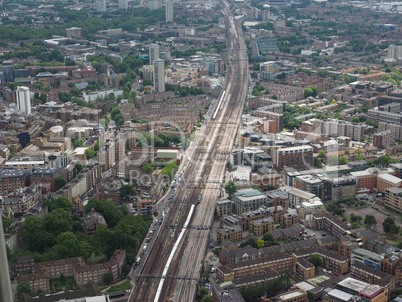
(123, 286)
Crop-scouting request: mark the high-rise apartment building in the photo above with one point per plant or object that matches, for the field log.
(394, 52)
(169, 11)
(24, 100)
(101, 5)
(74, 32)
(123, 4)
(153, 53)
(159, 75)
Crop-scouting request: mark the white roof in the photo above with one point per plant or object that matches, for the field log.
(340, 294)
(360, 173)
(390, 178)
(290, 295)
(305, 286)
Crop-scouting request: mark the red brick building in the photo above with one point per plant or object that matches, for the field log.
(298, 157)
(73, 267)
(385, 181)
(11, 180)
(48, 175)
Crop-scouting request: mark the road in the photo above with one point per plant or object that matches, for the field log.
(173, 268)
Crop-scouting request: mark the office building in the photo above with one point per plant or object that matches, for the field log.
(24, 100)
(153, 53)
(169, 11)
(123, 4)
(159, 75)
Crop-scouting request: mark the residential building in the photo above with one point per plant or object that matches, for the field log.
(11, 180)
(398, 169)
(223, 207)
(123, 4)
(382, 116)
(280, 263)
(145, 204)
(92, 220)
(224, 293)
(23, 199)
(48, 175)
(74, 32)
(325, 221)
(397, 128)
(304, 269)
(344, 187)
(298, 157)
(331, 261)
(372, 276)
(169, 11)
(261, 226)
(384, 138)
(309, 183)
(159, 75)
(101, 5)
(248, 200)
(346, 247)
(24, 100)
(73, 267)
(393, 199)
(233, 233)
(153, 53)
(385, 181)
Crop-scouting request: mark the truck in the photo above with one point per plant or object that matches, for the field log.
(138, 260)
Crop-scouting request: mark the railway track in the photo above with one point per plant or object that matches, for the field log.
(204, 172)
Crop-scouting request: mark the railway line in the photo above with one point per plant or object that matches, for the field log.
(173, 267)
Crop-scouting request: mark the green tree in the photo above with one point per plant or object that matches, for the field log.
(365, 108)
(79, 166)
(316, 260)
(202, 292)
(89, 153)
(321, 154)
(125, 269)
(356, 218)
(207, 298)
(60, 202)
(58, 221)
(127, 190)
(6, 222)
(23, 288)
(390, 227)
(310, 296)
(370, 221)
(107, 208)
(107, 278)
(67, 245)
(355, 120)
(260, 243)
(60, 182)
(308, 92)
(230, 187)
